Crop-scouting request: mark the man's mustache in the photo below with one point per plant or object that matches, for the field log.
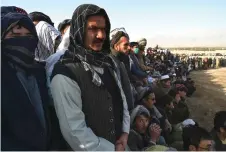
(98, 41)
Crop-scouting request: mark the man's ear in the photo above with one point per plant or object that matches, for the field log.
(222, 130)
(116, 47)
(192, 148)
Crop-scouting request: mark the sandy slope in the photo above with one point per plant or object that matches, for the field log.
(210, 96)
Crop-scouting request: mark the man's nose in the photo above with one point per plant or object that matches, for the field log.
(101, 34)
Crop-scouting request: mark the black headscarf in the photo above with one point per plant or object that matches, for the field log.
(39, 16)
(63, 24)
(77, 36)
(18, 50)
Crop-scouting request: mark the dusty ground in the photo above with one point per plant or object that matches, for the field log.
(210, 96)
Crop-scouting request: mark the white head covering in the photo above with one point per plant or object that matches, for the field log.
(65, 41)
(116, 30)
(188, 122)
(47, 35)
(164, 77)
(52, 60)
(142, 42)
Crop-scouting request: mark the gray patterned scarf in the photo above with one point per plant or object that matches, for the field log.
(77, 36)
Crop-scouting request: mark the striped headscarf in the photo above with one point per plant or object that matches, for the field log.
(77, 29)
(48, 36)
(77, 51)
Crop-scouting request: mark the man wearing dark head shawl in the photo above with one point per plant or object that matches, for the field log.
(86, 89)
(39, 16)
(63, 26)
(24, 124)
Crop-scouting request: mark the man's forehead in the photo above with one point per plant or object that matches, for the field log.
(206, 143)
(124, 39)
(151, 95)
(141, 117)
(96, 20)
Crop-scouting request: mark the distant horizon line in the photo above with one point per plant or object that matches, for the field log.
(180, 47)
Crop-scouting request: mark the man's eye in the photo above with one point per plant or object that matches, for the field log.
(16, 34)
(93, 28)
(29, 34)
(18, 26)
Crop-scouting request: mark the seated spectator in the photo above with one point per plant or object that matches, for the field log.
(190, 84)
(173, 135)
(160, 148)
(180, 111)
(219, 131)
(148, 101)
(168, 106)
(161, 88)
(138, 137)
(197, 139)
(158, 115)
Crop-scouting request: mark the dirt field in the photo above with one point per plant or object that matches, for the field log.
(210, 96)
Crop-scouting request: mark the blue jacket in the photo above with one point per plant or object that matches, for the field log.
(135, 69)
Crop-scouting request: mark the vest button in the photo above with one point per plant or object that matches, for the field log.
(109, 97)
(110, 108)
(111, 120)
(112, 132)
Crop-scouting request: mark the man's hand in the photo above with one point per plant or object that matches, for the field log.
(177, 98)
(145, 80)
(155, 132)
(150, 68)
(119, 147)
(168, 126)
(122, 142)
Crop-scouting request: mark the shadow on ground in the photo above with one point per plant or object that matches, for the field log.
(210, 96)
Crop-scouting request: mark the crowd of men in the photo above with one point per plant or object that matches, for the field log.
(86, 87)
(199, 63)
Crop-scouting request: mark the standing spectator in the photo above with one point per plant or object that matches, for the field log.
(49, 36)
(25, 96)
(63, 26)
(119, 53)
(88, 96)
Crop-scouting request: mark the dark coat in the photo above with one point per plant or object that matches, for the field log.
(218, 144)
(21, 126)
